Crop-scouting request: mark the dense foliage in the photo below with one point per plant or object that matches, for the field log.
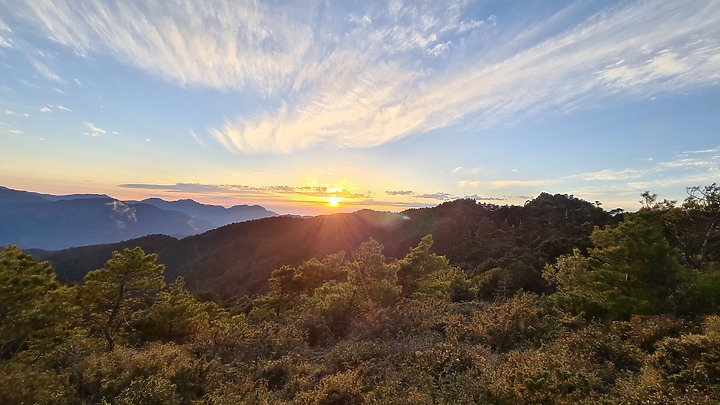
(631, 316)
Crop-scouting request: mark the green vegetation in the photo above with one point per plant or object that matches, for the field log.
(631, 316)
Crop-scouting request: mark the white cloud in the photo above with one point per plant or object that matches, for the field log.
(4, 27)
(373, 77)
(46, 72)
(468, 183)
(389, 101)
(226, 45)
(364, 21)
(5, 42)
(47, 108)
(11, 112)
(467, 170)
(690, 167)
(62, 107)
(609, 174)
(439, 49)
(665, 65)
(124, 210)
(522, 183)
(197, 139)
(94, 129)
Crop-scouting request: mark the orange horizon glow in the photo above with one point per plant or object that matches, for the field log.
(322, 199)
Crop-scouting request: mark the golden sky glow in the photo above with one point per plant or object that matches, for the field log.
(334, 201)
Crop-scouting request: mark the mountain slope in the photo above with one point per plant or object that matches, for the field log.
(72, 264)
(237, 259)
(10, 196)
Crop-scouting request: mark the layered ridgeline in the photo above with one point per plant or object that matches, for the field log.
(237, 259)
(34, 220)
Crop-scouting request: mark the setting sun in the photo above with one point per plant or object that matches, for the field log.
(334, 201)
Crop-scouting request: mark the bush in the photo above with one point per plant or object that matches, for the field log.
(525, 320)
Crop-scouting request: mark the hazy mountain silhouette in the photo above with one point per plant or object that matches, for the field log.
(34, 220)
(214, 214)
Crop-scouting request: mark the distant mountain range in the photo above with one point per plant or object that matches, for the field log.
(237, 259)
(53, 222)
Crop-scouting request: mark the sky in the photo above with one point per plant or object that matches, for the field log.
(311, 107)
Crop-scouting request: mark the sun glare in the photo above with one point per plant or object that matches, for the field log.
(334, 201)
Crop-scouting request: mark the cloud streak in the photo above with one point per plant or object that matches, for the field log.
(688, 168)
(383, 72)
(94, 129)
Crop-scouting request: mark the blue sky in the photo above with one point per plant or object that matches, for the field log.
(381, 105)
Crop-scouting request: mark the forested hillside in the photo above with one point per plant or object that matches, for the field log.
(629, 315)
(237, 259)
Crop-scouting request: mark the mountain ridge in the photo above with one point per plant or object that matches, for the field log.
(54, 222)
(238, 258)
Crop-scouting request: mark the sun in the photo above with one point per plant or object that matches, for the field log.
(334, 201)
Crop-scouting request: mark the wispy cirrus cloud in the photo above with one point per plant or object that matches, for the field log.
(4, 42)
(609, 174)
(623, 186)
(364, 75)
(468, 183)
(197, 139)
(523, 183)
(689, 167)
(94, 129)
(15, 113)
(46, 72)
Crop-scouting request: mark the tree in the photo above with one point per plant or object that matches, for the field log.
(176, 316)
(703, 208)
(284, 287)
(313, 272)
(417, 263)
(374, 278)
(630, 270)
(111, 295)
(693, 227)
(31, 306)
